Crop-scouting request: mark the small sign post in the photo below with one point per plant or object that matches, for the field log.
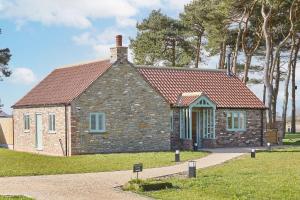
(138, 168)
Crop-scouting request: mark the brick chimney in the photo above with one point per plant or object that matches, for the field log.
(118, 53)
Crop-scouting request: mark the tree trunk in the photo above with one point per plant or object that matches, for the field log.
(269, 87)
(246, 68)
(173, 53)
(237, 44)
(276, 89)
(224, 55)
(286, 91)
(198, 59)
(264, 95)
(293, 120)
(221, 54)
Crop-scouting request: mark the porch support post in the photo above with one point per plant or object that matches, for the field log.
(190, 123)
(214, 123)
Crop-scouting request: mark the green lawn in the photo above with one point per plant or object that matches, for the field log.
(274, 175)
(14, 198)
(292, 139)
(14, 163)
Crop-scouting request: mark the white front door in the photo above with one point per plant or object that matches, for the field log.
(39, 132)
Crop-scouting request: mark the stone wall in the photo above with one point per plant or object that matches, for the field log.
(224, 138)
(137, 118)
(26, 140)
(175, 134)
(251, 137)
(6, 132)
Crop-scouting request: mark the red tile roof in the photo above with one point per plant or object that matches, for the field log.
(185, 99)
(64, 84)
(225, 91)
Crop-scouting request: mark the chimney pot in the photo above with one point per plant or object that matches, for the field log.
(119, 40)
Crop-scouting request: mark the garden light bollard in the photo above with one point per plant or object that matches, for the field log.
(192, 169)
(269, 146)
(195, 146)
(253, 153)
(177, 156)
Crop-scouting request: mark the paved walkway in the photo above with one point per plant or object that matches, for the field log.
(100, 185)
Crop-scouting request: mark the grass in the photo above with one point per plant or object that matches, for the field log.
(14, 163)
(271, 175)
(8, 197)
(292, 139)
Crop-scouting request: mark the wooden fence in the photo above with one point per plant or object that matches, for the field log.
(6, 132)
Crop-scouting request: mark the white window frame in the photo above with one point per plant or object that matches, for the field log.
(97, 130)
(51, 123)
(26, 117)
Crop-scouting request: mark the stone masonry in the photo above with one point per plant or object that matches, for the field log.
(251, 137)
(224, 138)
(137, 118)
(25, 140)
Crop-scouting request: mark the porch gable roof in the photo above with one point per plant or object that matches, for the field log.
(194, 99)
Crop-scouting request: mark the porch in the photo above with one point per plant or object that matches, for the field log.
(197, 121)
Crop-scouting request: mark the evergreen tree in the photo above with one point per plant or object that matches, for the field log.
(4, 59)
(160, 40)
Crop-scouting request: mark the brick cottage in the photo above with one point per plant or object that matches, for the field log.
(113, 106)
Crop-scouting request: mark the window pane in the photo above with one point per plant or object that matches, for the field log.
(100, 122)
(242, 120)
(208, 120)
(229, 120)
(171, 120)
(53, 122)
(26, 122)
(93, 122)
(236, 120)
(50, 123)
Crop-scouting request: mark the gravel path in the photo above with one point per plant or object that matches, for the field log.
(99, 185)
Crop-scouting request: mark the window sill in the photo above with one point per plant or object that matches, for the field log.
(97, 132)
(52, 132)
(26, 131)
(236, 130)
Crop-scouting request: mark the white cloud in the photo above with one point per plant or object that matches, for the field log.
(81, 13)
(100, 42)
(108, 35)
(177, 4)
(146, 3)
(23, 75)
(72, 13)
(102, 50)
(84, 39)
(126, 22)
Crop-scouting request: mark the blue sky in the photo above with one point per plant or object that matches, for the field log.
(43, 35)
